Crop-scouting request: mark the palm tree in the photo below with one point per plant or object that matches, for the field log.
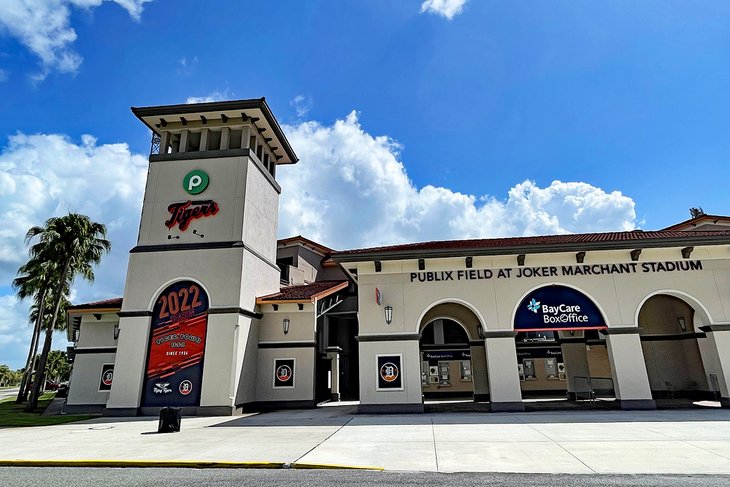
(58, 367)
(34, 280)
(74, 243)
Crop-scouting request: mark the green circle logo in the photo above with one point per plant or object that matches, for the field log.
(195, 181)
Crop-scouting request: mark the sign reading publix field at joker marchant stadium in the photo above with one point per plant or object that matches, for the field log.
(557, 308)
(177, 346)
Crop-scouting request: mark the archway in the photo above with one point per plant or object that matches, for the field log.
(560, 352)
(453, 363)
(671, 348)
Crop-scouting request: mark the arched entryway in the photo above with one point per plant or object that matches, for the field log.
(670, 343)
(560, 351)
(453, 364)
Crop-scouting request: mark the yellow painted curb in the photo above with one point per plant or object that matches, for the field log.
(137, 464)
(327, 466)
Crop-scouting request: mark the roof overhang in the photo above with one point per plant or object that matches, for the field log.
(365, 255)
(158, 116)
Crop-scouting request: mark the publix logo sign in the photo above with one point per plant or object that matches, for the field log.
(561, 313)
(195, 182)
(557, 307)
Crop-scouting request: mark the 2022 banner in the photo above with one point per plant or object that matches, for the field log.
(177, 346)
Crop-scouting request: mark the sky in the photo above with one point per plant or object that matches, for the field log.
(413, 120)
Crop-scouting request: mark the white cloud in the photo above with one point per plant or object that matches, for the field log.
(49, 175)
(214, 96)
(350, 189)
(302, 104)
(444, 8)
(3, 75)
(43, 26)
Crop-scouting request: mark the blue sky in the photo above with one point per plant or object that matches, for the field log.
(432, 120)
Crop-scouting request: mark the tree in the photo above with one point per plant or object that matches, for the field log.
(8, 377)
(70, 244)
(34, 279)
(57, 367)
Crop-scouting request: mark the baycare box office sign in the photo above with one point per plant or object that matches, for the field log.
(558, 308)
(177, 346)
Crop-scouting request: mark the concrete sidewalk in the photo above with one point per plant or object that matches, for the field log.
(690, 441)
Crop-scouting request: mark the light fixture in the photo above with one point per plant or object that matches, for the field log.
(388, 314)
(116, 330)
(682, 323)
(285, 325)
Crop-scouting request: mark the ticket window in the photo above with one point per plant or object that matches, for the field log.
(529, 369)
(433, 374)
(551, 368)
(466, 370)
(444, 372)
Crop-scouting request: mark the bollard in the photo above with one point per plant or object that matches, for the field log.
(170, 419)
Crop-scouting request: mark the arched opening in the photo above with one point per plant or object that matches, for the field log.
(671, 347)
(560, 351)
(453, 364)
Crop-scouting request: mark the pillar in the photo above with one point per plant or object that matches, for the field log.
(628, 368)
(504, 380)
(576, 364)
(719, 339)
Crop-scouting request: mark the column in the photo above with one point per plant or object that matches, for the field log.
(164, 141)
(504, 381)
(129, 368)
(184, 137)
(719, 339)
(576, 364)
(630, 379)
(204, 140)
(225, 134)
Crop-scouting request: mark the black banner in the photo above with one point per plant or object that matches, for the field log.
(284, 372)
(390, 374)
(107, 377)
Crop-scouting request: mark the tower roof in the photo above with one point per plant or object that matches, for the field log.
(255, 110)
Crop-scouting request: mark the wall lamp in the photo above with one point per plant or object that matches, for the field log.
(388, 314)
(285, 324)
(116, 330)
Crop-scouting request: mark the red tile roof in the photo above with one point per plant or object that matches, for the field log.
(107, 303)
(550, 242)
(697, 220)
(304, 292)
(305, 241)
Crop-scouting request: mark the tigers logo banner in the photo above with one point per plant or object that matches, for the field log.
(177, 346)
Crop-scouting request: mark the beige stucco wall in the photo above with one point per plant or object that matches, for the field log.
(410, 370)
(301, 328)
(130, 362)
(493, 301)
(303, 389)
(165, 186)
(85, 379)
(619, 296)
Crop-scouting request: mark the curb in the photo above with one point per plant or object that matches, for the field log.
(328, 466)
(137, 464)
(178, 464)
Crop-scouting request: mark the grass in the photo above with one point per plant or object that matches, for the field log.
(13, 415)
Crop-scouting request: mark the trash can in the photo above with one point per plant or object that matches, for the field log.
(169, 420)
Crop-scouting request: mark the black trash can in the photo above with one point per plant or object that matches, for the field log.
(170, 419)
